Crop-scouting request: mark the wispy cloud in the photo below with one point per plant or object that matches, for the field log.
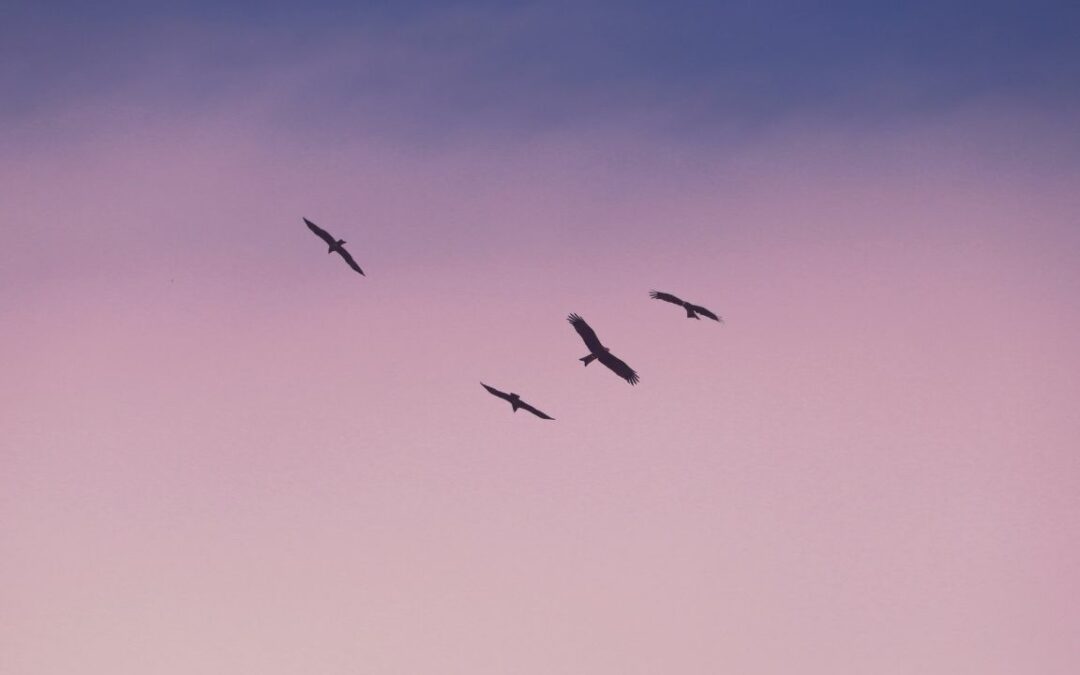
(425, 71)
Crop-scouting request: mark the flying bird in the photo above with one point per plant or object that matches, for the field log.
(599, 352)
(336, 246)
(692, 311)
(516, 402)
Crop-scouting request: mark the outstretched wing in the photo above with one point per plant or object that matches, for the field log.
(495, 392)
(666, 297)
(704, 312)
(323, 234)
(618, 366)
(349, 259)
(526, 406)
(587, 334)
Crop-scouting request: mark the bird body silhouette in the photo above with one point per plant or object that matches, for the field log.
(516, 402)
(598, 352)
(336, 245)
(692, 311)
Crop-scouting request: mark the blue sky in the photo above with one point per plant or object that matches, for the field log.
(430, 67)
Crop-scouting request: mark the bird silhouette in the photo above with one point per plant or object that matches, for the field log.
(692, 311)
(516, 402)
(336, 246)
(599, 352)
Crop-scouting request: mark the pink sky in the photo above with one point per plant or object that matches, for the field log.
(225, 453)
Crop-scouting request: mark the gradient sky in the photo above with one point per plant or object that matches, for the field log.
(223, 452)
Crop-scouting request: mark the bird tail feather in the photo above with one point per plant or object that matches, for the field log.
(588, 359)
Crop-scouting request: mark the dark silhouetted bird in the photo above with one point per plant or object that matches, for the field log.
(336, 246)
(599, 352)
(516, 402)
(692, 311)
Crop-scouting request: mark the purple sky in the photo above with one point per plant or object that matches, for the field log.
(222, 452)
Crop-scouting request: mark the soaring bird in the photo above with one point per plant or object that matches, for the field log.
(516, 402)
(692, 311)
(336, 246)
(599, 352)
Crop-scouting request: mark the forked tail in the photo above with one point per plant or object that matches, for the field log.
(588, 359)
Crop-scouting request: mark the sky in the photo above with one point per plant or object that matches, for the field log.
(222, 451)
